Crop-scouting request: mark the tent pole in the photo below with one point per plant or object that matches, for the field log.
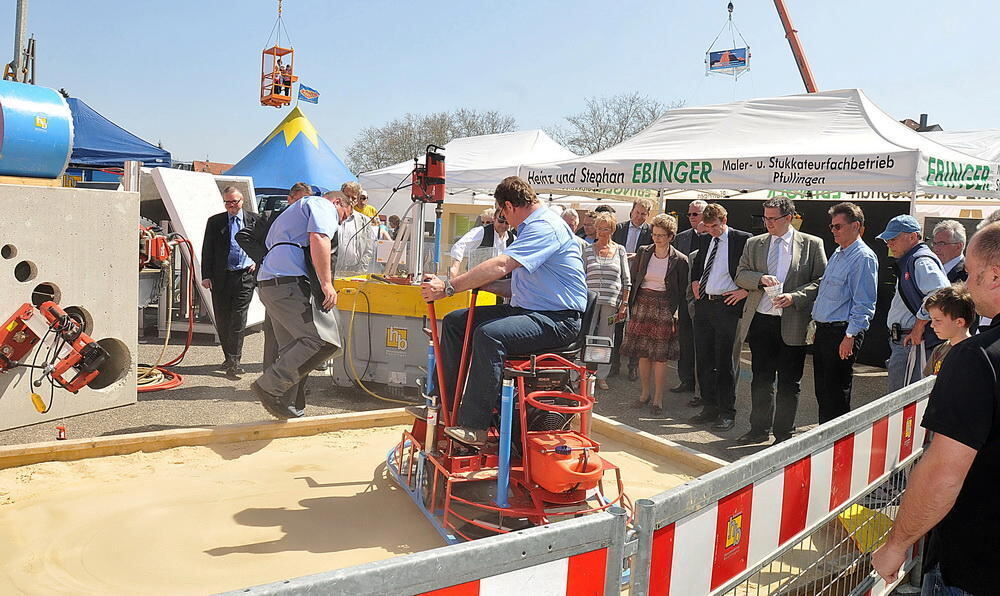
(913, 203)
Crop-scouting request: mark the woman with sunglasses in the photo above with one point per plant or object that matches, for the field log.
(607, 274)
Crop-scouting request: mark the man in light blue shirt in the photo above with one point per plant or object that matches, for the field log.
(919, 275)
(843, 311)
(548, 291)
(299, 303)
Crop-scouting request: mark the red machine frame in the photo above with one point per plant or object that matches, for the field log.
(435, 475)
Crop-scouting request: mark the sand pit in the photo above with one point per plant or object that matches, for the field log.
(226, 516)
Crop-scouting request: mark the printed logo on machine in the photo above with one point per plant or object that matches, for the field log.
(395, 337)
(734, 530)
(41, 122)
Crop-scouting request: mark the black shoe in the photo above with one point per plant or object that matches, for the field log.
(614, 372)
(753, 437)
(232, 374)
(780, 439)
(683, 388)
(724, 423)
(633, 374)
(703, 417)
(695, 402)
(237, 369)
(270, 402)
(322, 366)
(226, 365)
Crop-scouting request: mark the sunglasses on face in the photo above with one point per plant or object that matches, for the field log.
(837, 227)
(693, 214)
(232, 202)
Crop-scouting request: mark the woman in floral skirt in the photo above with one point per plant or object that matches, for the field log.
(659, 275)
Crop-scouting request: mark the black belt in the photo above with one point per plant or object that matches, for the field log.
(832, 324)
(277, 281)
(714, 296)
(243, 270)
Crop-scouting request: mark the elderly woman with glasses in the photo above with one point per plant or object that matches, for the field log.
(660, 271)
(608, 275)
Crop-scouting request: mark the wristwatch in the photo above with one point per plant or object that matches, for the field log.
(449, 290)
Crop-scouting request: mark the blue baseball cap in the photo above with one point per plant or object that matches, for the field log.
(901, 224)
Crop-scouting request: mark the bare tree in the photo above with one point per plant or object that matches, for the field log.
(403, 138)
(607, 121)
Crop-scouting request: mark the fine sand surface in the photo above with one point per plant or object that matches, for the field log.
(195, 520)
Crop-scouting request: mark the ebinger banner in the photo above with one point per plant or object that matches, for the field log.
(888, 172)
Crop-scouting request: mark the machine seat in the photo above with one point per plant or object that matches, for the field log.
(571, 350)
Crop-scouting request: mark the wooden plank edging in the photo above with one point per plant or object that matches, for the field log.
(702, 462)
(75, 449)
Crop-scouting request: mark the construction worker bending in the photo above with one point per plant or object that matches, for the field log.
(548, 292)
(299, 297)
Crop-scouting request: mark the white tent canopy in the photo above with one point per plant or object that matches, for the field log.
(472, 164)
(829, 141)
(984, 144)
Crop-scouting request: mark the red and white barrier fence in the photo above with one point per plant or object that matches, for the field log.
(708, 535)
(577, 557)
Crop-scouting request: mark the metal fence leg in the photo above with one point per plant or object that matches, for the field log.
(644, 524)
(616, 553)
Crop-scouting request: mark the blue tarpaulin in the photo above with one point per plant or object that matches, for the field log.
(293, 152)
(99, 142)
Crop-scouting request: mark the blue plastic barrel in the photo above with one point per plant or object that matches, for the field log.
(36, 131)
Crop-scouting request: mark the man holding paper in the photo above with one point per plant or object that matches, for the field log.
(781, 269)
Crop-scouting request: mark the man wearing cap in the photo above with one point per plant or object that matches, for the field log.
(919, 274)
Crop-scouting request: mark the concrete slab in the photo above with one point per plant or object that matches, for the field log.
(191, 198)
(79, 248)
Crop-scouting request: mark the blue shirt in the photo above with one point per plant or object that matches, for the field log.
(237, 258)
(551, 274)
(929, 277)
(847, 291)
(309, 214)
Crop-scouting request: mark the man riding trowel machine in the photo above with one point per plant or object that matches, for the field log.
(73, 360)
(540, 463)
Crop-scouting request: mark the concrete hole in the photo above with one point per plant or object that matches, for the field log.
(117, 366)
(82, 316)
(25, 271)
(45, 292)
(8, 251)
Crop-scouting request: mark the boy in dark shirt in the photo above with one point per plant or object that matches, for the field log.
(952, 313)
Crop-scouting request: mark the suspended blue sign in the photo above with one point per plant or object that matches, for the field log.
(731, 62)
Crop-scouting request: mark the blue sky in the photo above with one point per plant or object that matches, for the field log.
(187, 73)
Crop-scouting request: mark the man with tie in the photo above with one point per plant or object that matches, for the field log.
(631, 234)
(228, 273)
(687, 243)
(718, 306)
(948, 243)
(781, 269)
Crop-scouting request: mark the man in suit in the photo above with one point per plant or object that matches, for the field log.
(775, 321)
(718, 306)
(631, 234)
(948, 243)
(228, 273)
(686, 242)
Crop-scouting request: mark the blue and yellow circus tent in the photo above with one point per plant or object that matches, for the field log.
(293, 152)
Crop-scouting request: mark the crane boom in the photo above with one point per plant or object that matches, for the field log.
(793, 40)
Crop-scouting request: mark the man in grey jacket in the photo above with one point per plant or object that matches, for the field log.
(781, 269)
